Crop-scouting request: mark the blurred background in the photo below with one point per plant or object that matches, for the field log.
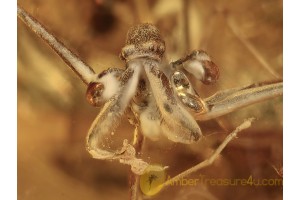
(244, 38)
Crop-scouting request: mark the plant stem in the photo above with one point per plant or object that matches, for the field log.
(138, 140)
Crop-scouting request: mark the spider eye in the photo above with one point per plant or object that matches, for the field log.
(94, 93)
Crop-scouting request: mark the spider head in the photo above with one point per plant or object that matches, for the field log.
(143, 40)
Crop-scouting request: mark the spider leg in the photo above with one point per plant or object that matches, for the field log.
(85, 72)
(227, 101)
(109, 118)
(176, 122)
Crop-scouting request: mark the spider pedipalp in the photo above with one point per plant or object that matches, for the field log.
(200, 65)
(105, 86)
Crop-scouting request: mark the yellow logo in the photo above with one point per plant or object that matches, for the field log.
(151, 182)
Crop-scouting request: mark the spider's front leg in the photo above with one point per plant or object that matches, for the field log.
(110, 117)
(176, 123)
(112, 110)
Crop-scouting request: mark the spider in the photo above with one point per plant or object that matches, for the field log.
(159, 94)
